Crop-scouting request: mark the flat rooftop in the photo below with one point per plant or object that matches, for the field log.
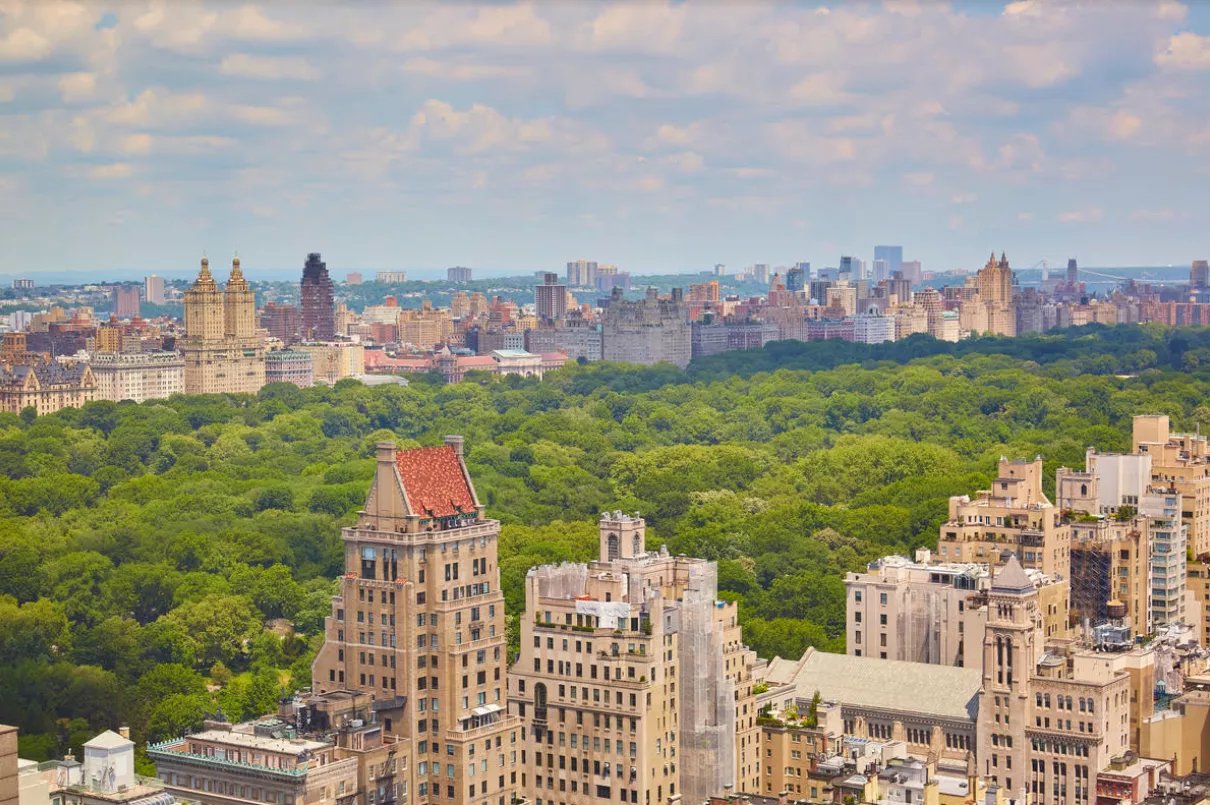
(289, 746)
(907, 687)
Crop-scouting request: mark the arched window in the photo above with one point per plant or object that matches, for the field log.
(635, 548)
(1083, 489)
(612, 544)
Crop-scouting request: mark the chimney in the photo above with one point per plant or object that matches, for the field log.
(455, 442)
(124, 731)
(385, 452)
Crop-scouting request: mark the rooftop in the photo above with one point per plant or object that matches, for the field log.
(289, 746)
(906, 687)
(434, 481)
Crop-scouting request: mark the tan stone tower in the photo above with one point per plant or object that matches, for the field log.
(1011, 646)
(222, 351)
(419, 624)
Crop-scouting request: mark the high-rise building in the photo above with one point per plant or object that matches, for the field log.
(1050, 716)
(318, 319)
(760, 273)
(633, 682)
(282, 321)
(1013, 517)
(1073, 273)
(153, 289)
(582, 273)
(458, 274)
(419, 623)
(222, 351)
(23, 284)
(990, 309)
(892, 257)
(1199, 274)
(797, 276)
(353, 278)
(933, 612)
(550, 299)
(391, 277)
(126, 301)
(1179, 461)
(647, 331)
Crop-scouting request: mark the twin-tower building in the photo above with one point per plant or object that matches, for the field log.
(222, 351)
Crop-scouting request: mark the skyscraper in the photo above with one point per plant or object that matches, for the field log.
(153, 289)
(318, 317)
(419, 623)
(126, 301)
(459, 274)
(796, 277)
(222, 351)
(893, 257)
(550, 298)
(1199, 274)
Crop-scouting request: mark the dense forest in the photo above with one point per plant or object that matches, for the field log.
(163, 560)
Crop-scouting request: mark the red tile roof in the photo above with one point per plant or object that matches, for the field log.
(434, 482)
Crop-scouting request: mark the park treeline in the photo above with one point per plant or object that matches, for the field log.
(165, 560)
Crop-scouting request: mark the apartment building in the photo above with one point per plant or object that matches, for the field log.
(325, 747)
(926, 612)
(138, 376)
(335, 360)
(1111, 572)
(45, 387)
(1050, 715)
(632, 680)
(221, 349)
(262, 761)
(1180, 461)
(1169, 540)
(419, 624)
(289, 366)
(647, 331)
(1013, 517)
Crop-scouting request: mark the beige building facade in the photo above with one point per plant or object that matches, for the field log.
(1013, 517)
(1050, 716)
(931, 612)
(632, 680)
(138, 376)
(221, 348)
(419, 624)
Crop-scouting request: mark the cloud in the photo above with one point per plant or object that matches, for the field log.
(23, 45)
(1123, 125)
(1186, 51)
(1150, 216)
(650, 118)
(268, 67)
(1084, 216)
(113, 170)
(77, 86)
(432, 68)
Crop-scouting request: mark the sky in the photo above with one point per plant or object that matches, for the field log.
(662, 137)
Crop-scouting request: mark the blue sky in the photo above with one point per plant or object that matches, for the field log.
(661, 137)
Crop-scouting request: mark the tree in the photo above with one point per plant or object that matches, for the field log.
(218, 626)
(175, 715)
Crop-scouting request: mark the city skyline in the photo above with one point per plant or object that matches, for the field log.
(663, 138)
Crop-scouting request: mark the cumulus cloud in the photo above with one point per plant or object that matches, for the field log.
(1186, 51)
(592, 117)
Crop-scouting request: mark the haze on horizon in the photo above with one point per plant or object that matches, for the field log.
(663, 137)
